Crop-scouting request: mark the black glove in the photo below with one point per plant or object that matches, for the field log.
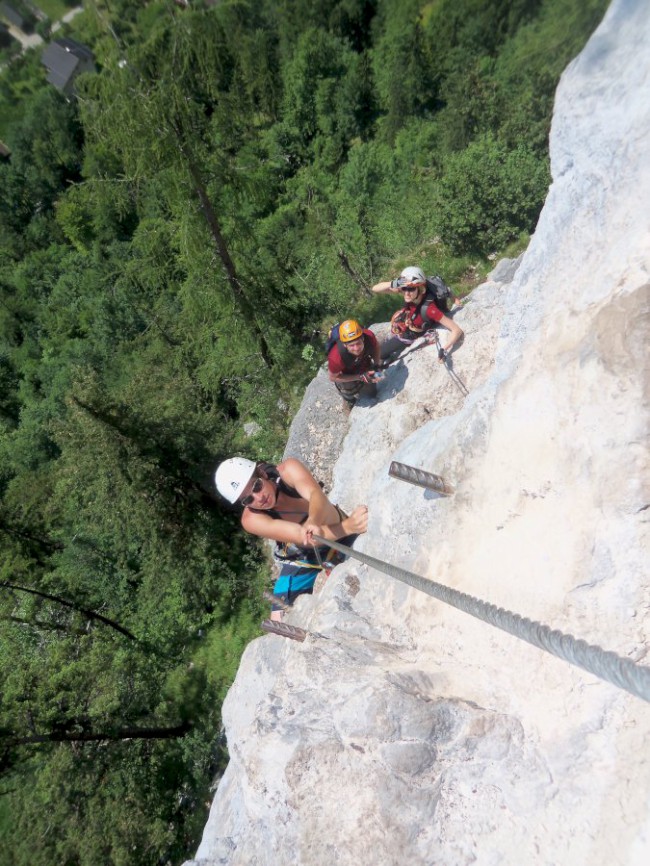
(442, 355)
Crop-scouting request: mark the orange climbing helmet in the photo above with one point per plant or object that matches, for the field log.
(350, 330)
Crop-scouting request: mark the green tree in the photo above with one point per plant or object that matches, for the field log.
(407, 79)
(155, 111)
(231, 174)
(488, 195)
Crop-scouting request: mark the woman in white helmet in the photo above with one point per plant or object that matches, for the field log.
(419, 315)
(286, 504)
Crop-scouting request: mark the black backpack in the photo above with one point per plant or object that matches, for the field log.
(439, 292)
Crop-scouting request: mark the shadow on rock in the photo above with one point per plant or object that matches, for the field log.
(396, 376)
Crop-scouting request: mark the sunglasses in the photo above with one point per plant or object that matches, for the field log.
(413, 287)
(257, 486)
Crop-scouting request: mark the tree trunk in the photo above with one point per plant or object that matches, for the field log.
(89, 613)
(349, 270)
(214, 226)
(144, 438)
(45, 544)
(122, 734)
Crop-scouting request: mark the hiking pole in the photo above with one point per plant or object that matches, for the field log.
(444, 356)
(454, 378)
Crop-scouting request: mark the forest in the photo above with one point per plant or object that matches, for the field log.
(175, 242)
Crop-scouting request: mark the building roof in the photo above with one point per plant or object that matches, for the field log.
(76, 48)
(62, 57)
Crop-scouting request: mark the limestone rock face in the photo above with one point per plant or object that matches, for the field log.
(317, 432)
(405, 731)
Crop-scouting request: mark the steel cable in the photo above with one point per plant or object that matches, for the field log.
(604, 664)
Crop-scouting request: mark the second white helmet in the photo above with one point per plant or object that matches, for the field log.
(232, 476)
(412, 276)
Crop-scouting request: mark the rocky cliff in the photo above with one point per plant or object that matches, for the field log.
(402, 730)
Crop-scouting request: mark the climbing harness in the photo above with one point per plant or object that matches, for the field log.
(604, 664)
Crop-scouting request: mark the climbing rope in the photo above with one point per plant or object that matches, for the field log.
(606, 665)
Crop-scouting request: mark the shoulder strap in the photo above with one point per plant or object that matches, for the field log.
(346, 357)
(424, 306)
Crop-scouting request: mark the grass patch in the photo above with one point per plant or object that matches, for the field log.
(55, 9)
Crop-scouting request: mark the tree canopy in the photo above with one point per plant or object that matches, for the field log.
(174, 243)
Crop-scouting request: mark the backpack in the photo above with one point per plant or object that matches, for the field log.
(332, 338)
(436, 292)
(439, 292)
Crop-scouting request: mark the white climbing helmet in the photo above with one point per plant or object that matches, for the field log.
(412, 276)
(232, 476)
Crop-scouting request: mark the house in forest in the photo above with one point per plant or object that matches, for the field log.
(64, 60)
(16, 17)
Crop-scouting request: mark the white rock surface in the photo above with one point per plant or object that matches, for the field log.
(404, 731)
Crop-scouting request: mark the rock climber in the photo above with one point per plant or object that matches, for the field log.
(421, 312)
(353, 361)
(286, 504)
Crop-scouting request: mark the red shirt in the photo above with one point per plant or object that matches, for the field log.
(351, 363)
(414, 318)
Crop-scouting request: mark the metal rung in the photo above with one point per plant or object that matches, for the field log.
(284, 630)
(420, 477)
